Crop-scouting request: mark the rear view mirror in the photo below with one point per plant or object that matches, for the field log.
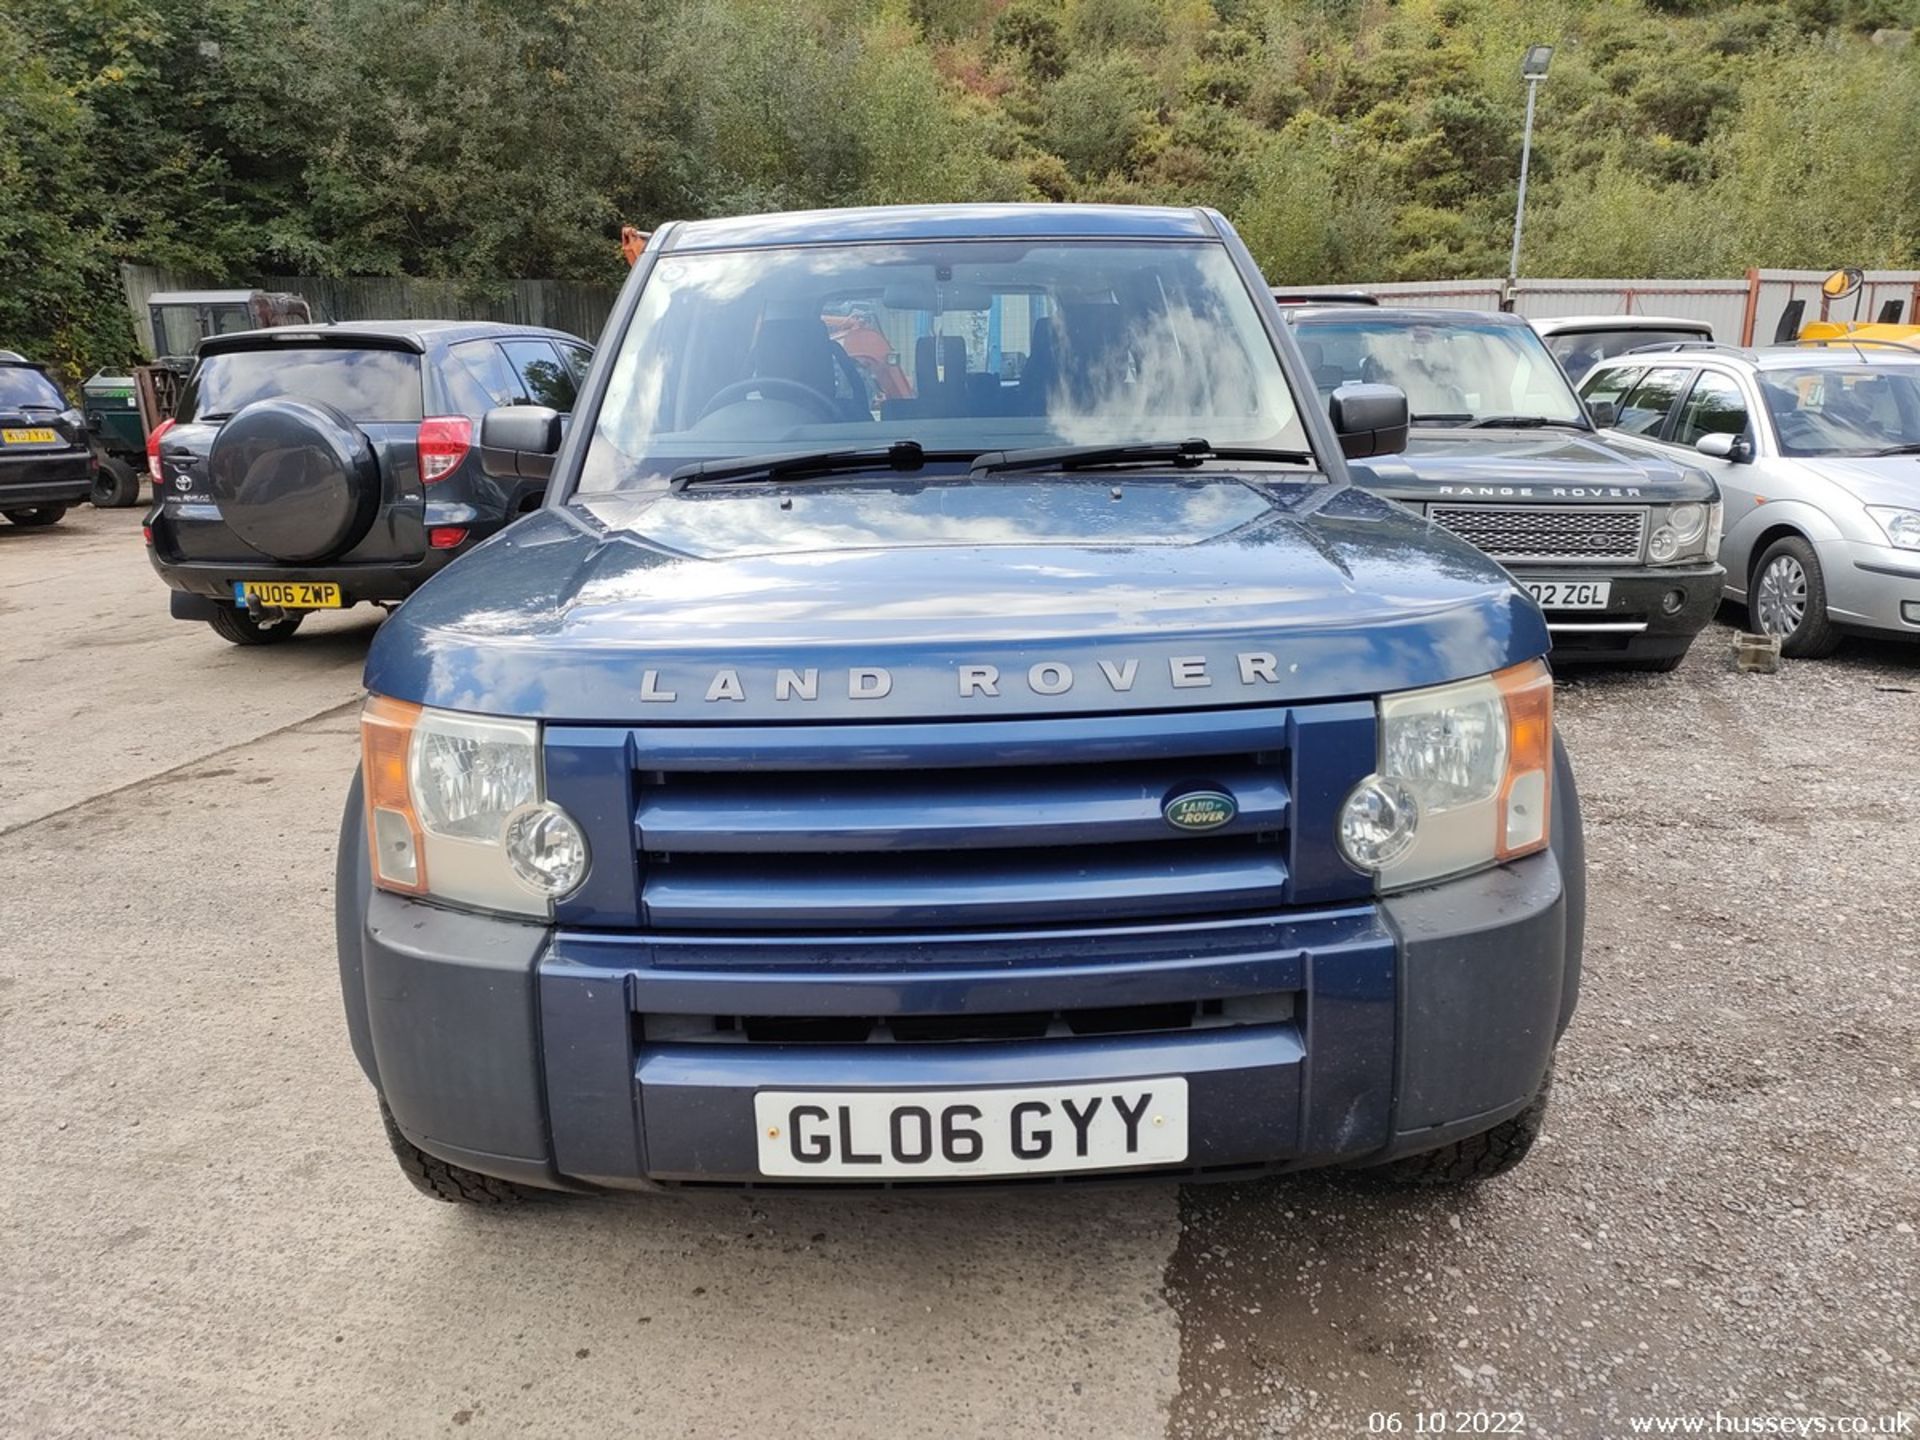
(1604, 413)
(1369, 419)
(1736, 448)
(518, 442)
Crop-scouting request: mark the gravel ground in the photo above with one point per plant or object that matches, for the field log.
(207, 1236)
(1722, 1215)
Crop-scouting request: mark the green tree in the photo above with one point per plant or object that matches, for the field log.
(1098, 112)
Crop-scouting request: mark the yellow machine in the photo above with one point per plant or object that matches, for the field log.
(1838, 286)
(1860, 330)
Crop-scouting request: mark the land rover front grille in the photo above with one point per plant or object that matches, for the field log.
(908, 828)
(1548, 533)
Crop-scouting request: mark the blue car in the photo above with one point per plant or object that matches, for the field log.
(953, 722)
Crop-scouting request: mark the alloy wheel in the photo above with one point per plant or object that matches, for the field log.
(1782, 601)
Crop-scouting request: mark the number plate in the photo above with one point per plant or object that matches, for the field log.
(967, 1134)
(1570, 594)
(287, 594)
(34, 436)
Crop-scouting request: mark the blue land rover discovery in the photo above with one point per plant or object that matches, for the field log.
(952, 721)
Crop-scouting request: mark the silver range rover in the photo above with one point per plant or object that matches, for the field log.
(1816, 449)
(1615, 542)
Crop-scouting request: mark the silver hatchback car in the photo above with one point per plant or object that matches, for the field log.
(1816, 448)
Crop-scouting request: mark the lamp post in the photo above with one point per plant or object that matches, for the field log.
(1533, 70)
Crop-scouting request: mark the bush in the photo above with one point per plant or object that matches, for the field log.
(1098, 112)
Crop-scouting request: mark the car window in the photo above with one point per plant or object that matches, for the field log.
(1609, 386)
(1578, 351)
(578, 358)
(969, 346)
(1650, 402)
(365, 385)
(1714, 407)
(544, 380)
(480, 363)
(1851, 410)
(24, 388)
(1463, 368)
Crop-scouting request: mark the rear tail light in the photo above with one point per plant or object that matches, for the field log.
(444, 442)
(446, 537)
(146, 533)
(153, 448)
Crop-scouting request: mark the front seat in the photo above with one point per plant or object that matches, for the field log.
(798, 349)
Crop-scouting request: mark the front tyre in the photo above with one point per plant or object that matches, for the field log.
(1788, 598)
(1478, 1157)
(33, 517)
(445, 1181)
(240, 627)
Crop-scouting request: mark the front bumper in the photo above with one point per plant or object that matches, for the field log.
(1872, 587)
(524, 1052)
(45, 479)
(1651, 614)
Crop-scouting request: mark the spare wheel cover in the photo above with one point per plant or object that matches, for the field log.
(295, 479)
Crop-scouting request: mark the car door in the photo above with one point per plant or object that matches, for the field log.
(1717, 403)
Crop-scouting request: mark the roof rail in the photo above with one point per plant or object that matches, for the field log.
(1858, 345)
(1669, 346)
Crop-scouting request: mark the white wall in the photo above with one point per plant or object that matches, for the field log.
(1723, 303)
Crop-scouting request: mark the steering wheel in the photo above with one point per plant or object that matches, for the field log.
(856, 379)
(769, 386)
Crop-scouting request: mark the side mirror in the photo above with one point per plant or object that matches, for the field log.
(1369, 419)
(518, 442)
(1604, 414)
(1736, 448)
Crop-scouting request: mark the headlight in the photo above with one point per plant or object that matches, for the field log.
(1902, 526)
(1679, 533)
(1465, 778)
(456, 811)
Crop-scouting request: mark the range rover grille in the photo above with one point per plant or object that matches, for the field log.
(1548, 533)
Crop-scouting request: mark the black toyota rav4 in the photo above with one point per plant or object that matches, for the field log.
(252, 535)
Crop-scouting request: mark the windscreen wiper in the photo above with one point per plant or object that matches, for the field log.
(902, 455)
(1180, 454)
(1441, 418)
(1523, 422)
(1912, 447)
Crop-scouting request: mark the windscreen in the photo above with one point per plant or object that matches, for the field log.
(970, 346)
(1581, 350)
(1831, 410)
(24, 388)
(1454, 372)
(366, 385)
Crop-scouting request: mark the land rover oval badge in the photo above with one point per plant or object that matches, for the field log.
(1199, 809)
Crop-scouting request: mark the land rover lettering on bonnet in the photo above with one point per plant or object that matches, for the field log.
(953, 722)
